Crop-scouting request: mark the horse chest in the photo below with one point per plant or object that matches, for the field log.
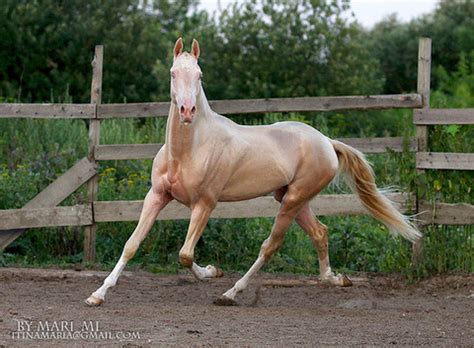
(184, 185)
(179, 193)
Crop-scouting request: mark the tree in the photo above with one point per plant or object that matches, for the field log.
(395, 44)
(47, 47)
(277, 48)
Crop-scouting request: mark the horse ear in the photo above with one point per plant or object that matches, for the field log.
(195, 49)
(178, 47)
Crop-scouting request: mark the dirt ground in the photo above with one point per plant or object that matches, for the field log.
(277, 310)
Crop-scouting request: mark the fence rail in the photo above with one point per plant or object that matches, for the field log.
(267, 206)
(446, 213)
(47, 111)
(43, 210)
(149, 151)
(324, 205)
(108, 211)
(445, 160)
(78, 215)
(226, 107)
(443, 116)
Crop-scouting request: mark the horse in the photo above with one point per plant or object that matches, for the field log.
(207, 158)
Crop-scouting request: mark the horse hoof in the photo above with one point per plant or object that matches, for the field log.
(219, 272)
(225, 301)
(346, 281)
(93, 301)
(215, 270)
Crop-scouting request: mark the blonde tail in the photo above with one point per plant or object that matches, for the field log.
(360, 177)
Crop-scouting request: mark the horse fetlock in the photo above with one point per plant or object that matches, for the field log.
(109, 282)
(328, 275)
(240, 285)
(186, 260)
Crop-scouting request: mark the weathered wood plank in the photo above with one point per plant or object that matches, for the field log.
(443, 116)
(46, 217)
(289, 283)
(423, 88)
(424, 70)
(57, 274)
(445, 160)
(316, 103)
(380, 145)
(127, 151)
(446, 213)
(227, 107)
(158, 109)
(245, 106)
(63, 186)
(149, 151)
(94, 137)
(12, 110)
(54, 194)
(324, 205)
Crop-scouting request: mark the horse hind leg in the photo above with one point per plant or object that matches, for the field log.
(291, 204)
(318, 233)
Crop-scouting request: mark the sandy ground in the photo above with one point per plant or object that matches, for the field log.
(159, 310)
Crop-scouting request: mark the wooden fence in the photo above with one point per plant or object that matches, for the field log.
(43, 209)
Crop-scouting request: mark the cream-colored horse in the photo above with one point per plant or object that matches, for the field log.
(207, 158)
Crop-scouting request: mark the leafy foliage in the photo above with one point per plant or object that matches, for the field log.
(395, 44)
(266, 48)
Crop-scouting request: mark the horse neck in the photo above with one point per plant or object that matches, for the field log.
(182, 139)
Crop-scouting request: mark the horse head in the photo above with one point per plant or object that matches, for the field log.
(185, 80)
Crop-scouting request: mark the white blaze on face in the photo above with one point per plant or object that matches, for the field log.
(185, 81)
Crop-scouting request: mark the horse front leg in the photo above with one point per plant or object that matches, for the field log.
(199, 217)
(154, 202)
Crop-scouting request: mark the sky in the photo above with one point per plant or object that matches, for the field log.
(367, 12)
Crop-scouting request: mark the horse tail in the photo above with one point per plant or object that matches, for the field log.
(360, 177)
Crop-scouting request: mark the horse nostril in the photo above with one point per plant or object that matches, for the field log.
(182, 109)
(193, 110)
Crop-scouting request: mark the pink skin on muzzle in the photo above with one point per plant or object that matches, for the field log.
(187, 110)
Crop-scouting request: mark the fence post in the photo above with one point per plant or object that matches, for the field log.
(94, 135)
(423, 88)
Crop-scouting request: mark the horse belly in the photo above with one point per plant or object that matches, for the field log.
(253, 184)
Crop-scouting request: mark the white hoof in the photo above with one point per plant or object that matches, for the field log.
(214, 271)
(93, 301)
(339, 280)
